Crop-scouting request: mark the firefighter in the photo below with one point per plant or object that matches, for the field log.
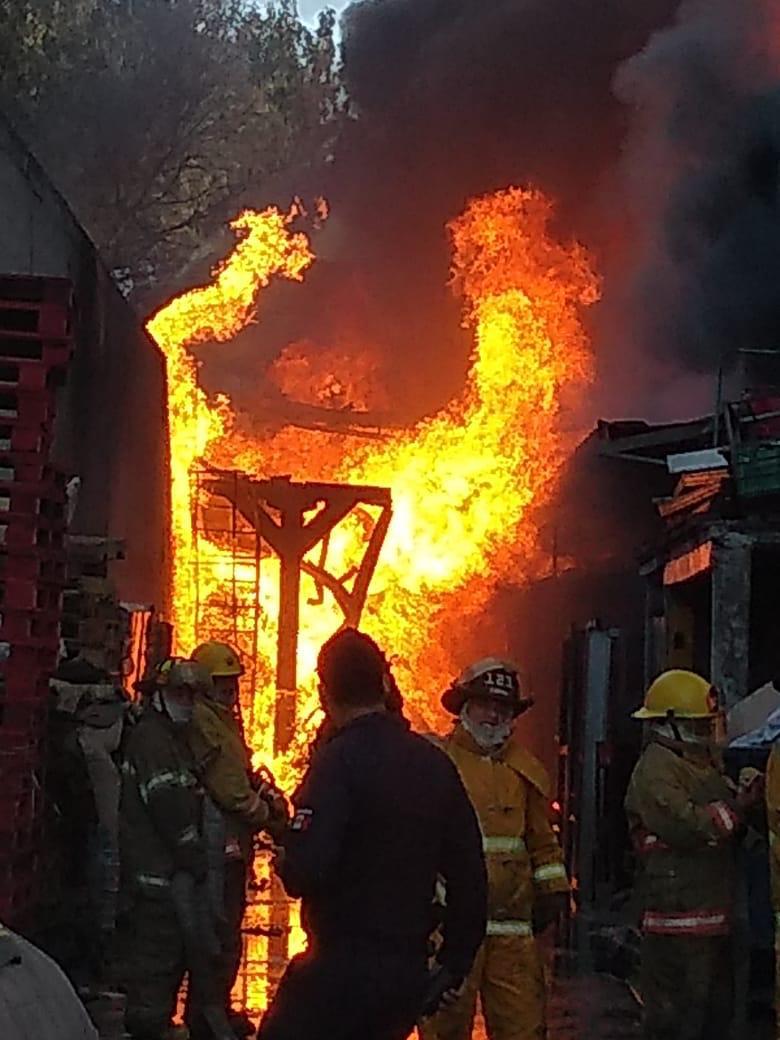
(773, 820)
(380, 813)
(685, 819)
(243, 806)
(527, 884)
(161, 848)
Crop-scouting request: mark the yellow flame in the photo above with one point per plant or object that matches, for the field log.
(463, 481)
(214, 312)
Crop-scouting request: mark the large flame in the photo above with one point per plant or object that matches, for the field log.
(216, 312)
(463, 481)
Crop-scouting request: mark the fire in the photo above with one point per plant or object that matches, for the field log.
(328, 378)
(216, 312)
(464, 481)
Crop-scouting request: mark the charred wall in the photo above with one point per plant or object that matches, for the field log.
(603, 514)
(111, 427)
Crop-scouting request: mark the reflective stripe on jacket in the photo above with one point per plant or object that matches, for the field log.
(160, 823)
(704, 922)
(510, 793)
(684, 825)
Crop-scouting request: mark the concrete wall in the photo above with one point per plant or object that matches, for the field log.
(111, 426)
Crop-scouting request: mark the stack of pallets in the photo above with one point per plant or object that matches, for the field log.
(35, 348)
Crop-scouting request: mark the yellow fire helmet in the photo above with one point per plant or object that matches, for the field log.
(219, 659)
(163, 670)
(680, 694)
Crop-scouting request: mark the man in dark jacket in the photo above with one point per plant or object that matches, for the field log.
(161, 844)
(380, 816)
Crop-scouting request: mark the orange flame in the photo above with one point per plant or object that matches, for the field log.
(464, 481)
(215, 312)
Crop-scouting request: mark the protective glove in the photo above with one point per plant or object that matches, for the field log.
(278, 810)
(548, 909)
(443, 990)
(751, 790)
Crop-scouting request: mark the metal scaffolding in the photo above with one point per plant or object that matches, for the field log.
(237, 523)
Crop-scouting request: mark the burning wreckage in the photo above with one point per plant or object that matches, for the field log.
(599, 562)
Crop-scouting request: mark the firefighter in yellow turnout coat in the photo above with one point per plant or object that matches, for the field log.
(223, 764)
(773, 819)
(685, 819)
(527, 883)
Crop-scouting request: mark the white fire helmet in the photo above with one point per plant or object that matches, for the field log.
(488, 677)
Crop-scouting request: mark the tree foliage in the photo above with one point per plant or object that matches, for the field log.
(157, 117)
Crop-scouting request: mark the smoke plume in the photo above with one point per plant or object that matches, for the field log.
(453, 98)
(700, 183)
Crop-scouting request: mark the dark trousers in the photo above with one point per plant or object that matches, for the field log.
(232, 943)
(346, 994)
(152, 966)
(687, 987)
(217, 988)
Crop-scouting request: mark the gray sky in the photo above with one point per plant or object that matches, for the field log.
(310, 8)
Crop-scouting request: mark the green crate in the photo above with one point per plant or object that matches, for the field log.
(757, 469)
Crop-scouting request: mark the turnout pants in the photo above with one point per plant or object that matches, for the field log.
(232, 943)
(153, 965)
(687, 987)
(347, 994)
(508, 979)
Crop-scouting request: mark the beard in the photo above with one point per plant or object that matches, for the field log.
(488, 735)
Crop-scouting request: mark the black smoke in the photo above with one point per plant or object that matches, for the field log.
(701, 175)
(450, 99)
(454, 98)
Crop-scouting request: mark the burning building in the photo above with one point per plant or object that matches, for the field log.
(276, 565)
(464, 481)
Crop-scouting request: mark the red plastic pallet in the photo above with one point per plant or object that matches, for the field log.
(34, 566)
(17, 437)
(33, 349)
(29, 375)
(27, 659)
(29, 627)
(30, 407)
(27, 468)
(29, 532)
(32, 686)
(18, 743)
(30, 595)
(49, 320)
(45, 500)
(37, 290)
(19, 781)
(29, 715)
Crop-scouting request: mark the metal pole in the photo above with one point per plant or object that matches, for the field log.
(287, 650)
(718, 406)
(598, 665)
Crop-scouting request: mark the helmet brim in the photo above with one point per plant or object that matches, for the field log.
(455, 697)
(643, 713)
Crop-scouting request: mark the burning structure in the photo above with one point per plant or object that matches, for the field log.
(464, 482)
(334, 505)
(289, 561)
